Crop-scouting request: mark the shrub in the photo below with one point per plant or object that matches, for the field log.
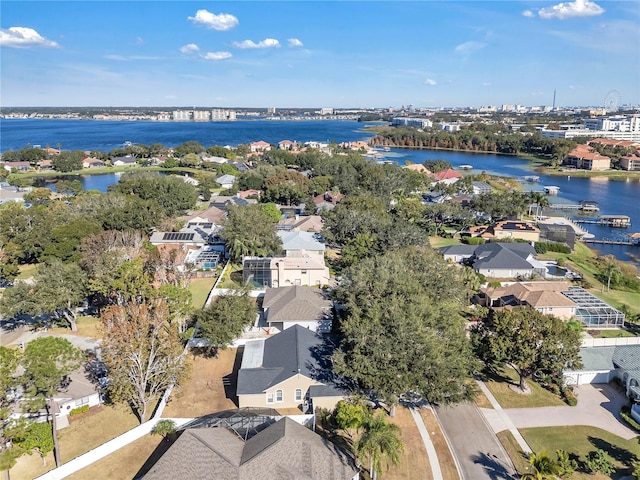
(164, 428)
(543, 247)
(625, 414)
(473, 240)
(79, 410)
(599, 462)
(495, 284)
(566, 463)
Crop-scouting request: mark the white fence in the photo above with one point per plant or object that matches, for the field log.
(610, 342)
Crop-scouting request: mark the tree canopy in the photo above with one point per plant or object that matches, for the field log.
(529, 341)
(403, 332)
(250, 230)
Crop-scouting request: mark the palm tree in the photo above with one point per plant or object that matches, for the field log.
(380, 441)
(611, 270)
(543, 467)
(539, 199)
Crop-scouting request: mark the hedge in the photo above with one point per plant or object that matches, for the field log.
(625, 414)
(543, 247)
(79, 410)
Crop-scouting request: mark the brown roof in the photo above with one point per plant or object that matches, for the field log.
(284, 450)
(213, 214)
(545, 298)
(447, 174)
(295, 303)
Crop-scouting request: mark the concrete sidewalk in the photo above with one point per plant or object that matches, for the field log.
(436, 472)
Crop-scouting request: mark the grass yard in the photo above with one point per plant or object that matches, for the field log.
(447, 464)
(87, 327)
(27, 271)
(507, 398)
(200, 288)
(212, 386)
(580, 440)
(123, 463)
(414, 463)
(512, 448)
(94, 428)
(611, 333)
(437, 242)
(232, 277)
(85, 432)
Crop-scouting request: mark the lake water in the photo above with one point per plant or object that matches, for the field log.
(613, 197)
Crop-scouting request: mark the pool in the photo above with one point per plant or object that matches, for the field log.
(556, 271)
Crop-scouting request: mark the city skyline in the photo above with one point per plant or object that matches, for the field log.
(342, 54)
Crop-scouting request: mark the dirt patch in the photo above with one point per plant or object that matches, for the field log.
(212, 387)
(522, 391)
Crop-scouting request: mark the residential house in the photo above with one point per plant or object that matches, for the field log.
(226, 181)
(287, 145)
(545, 297)
(283, 450)
(285, 271)
(11, 193)
(480, 187)
(259, 147)
(18, 166)
(78, 391)
(251, 193)
(446, 177)
(327, 200)
(222, 202)
(126, 161)
(558, 233)
(458, 253)
(296, 243)
(304, 223)
(45, 165)
(507, 229)
(308, 307)
(92, 163)
(506, 260)
(286, 370)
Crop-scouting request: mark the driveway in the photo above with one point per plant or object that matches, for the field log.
(23, 334)
(598, 406)
(476, 448)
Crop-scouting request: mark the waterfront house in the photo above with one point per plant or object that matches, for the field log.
(45, 165)
(631, 163)
(17, 166)
(446, 177)
(507, 229)
(585, 158)
(259, 147)
(480, 187)
(288, 370)
(126, 161)
(277, 448)
(287, 145)
(92, 163)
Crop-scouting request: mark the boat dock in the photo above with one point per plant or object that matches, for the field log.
(616, 221)
(551, 190)
(611, 242)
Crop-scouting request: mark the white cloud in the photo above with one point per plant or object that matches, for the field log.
(18, 37)
(266, 43)
(216, 55)
(430, 81)
(221, 22)
(528, 13)
(467, 48)
(294, 42)
(189, 48)
(578, 8)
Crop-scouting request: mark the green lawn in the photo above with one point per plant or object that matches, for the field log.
(200, 288)
(613, 333)
(580, 440)
(27, 271)
(87, 327)
(232, 277)
(508, 398)
(437, 242)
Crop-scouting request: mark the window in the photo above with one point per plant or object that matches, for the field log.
(298, 394)
(269, 397)
(303, 272)
(82, 401)
(279, 396)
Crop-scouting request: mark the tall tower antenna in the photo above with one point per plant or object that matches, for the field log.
(554, 98)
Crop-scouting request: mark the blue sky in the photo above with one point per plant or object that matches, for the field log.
(318, 54)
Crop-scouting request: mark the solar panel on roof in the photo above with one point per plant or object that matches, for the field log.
(178, 236)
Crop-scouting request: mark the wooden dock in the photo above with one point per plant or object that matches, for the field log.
(617, 221)
(610, 242)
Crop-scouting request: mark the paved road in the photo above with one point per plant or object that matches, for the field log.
(477, 449)
(23, 334)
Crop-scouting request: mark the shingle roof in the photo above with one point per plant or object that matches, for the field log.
(292, 351)
(295, 303)
(597, 358)
(284, 450)
(300, 241)
(503, 255)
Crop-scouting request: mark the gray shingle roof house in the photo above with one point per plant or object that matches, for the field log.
(278, 372)
(297, 305)
(506, 260)
(301, 242)
(284, 450)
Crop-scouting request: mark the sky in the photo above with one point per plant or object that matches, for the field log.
(340, 54)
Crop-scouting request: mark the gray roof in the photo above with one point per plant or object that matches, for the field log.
(293, 351)
(295, 303)
(459, 250)
(284, 450)
(503, 255)
(597, 358)
(300, 241)
(627, 357)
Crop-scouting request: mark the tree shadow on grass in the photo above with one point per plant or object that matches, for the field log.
(230, 381)
(622, 455)
(158, 452)
(495, 375)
